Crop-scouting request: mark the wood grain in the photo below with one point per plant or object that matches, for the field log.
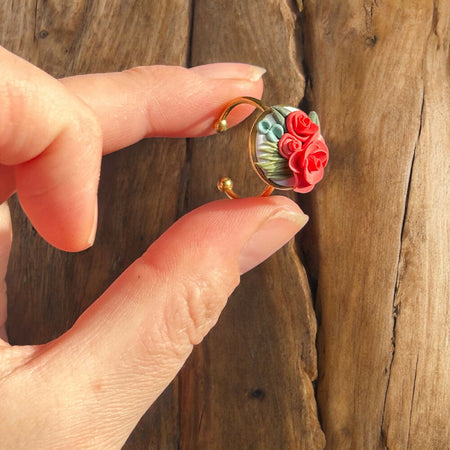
(419, 382)
(378, 76)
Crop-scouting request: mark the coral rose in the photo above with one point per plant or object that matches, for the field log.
(308, 164)
(289, 144)
(301, 126)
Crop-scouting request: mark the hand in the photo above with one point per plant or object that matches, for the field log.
(90, 387)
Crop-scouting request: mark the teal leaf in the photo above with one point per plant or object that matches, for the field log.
(275, 133)
(264, 126)
(277, 130)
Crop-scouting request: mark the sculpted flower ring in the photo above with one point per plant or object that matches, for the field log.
(286, 148)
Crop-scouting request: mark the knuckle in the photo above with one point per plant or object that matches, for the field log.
(189, 303)
(89, 126)
(154, 79)
(198, 306)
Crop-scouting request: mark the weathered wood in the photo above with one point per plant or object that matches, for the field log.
(379, 240)
(250, 382)
(419, 382)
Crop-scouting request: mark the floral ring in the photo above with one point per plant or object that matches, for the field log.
(286, 148)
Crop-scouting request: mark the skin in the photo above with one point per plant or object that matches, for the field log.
(65, 394)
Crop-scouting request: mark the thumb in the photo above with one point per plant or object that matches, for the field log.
(99, 378)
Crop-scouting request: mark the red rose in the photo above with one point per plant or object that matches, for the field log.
(288, 144)
(308, 164)
(300, 125)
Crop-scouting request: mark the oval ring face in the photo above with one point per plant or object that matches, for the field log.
(287, 150)
(266, 158)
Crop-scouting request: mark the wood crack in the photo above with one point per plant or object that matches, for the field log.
(395, 305)
(186, 169)
(191, 34)
(369, 7)
(299, 7)
(296, 42)
(35, 21)
(299, 55)
(435, 19)
(412, 401)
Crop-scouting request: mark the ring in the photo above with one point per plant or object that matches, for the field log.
(286, 148)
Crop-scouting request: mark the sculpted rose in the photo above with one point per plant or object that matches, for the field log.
(301, 126)
(308, 164)
(289, 144)
(298, 157)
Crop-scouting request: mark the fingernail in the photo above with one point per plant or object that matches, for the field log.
(230, 71)
(271, 236)
(94, 227)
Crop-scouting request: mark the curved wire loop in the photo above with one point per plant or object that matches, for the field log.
(225, 184)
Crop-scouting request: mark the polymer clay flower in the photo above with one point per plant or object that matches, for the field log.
(289, 144)
(299, 124)
(295, 158)
(307, 165)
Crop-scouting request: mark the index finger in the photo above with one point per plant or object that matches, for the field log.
(55, 136)
(165, 101)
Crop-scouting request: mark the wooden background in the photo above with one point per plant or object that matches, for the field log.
(371, 265)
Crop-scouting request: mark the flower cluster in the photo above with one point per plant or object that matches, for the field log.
(305, 149)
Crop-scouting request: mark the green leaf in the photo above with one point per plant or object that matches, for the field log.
(274, 166)
(269, 147)
(282, 110)
(269, 157)
(314, 118)
(279, 118)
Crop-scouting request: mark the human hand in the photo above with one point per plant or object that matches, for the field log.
(89, 387)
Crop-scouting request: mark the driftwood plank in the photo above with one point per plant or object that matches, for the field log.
(49, 289)
(378, 75)
(249, 385)
(417, 412)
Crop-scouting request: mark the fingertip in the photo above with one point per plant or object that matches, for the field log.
(67, 229)
(230, 70)
(58, 188)
(61, 205)
(232, 80)
(219, 230)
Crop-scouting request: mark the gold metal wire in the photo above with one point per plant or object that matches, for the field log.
(225, 184)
